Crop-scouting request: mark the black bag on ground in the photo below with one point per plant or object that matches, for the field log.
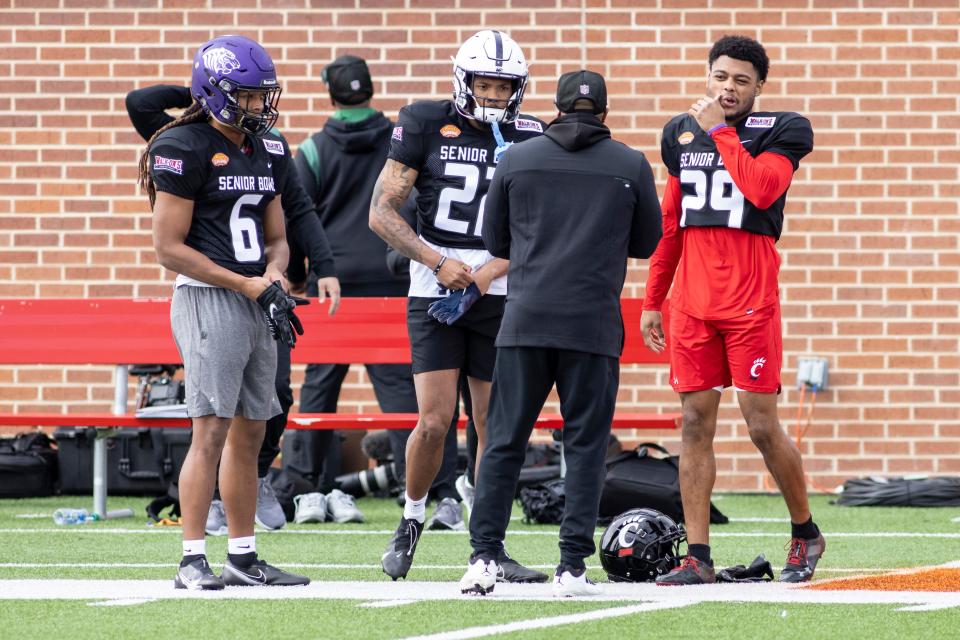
(637, 480)
(543, 503)
(140, 461)
(938, 491)
(28, 466)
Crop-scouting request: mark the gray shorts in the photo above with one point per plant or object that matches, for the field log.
(229, 357)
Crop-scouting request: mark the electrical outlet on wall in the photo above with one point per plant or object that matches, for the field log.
(812, 373)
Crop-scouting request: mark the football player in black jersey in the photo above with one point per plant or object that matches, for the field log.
(448, 150)
(212, 179)
(730, 168)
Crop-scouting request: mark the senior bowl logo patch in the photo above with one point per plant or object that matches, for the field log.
(274, 146)
(220, 160)
(686, 137)
(168, 164)
(450, 131)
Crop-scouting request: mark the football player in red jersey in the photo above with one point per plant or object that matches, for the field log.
(730, 168)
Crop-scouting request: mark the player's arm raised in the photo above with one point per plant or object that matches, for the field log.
(391, 191)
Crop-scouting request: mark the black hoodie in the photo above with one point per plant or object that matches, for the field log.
(567, 209)
(338, 167)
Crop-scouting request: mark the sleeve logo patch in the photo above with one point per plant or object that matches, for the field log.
(168, 164)
(686, 137)
(274, 146)
(220, 160)
(397, 134)
(756, 122)
(528, 125)
(450, 131)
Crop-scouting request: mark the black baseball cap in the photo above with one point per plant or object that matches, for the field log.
(581, 85)
(348, 80)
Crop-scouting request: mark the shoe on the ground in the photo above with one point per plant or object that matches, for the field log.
(568, 583)
(690, 571)
(467, 492)
(259, 573)
(269, 512)
(216, 519)
(512, 571)
(802, 557)
(398, 557)
(342, 508)
(448, 514)
(310, 507)
(481, 577)
(197, 576)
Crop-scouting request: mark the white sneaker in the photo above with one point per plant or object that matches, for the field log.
(480, 578)
(342, 508)
(216, 519)
(467, 492)
(568, 585)
(310, 507)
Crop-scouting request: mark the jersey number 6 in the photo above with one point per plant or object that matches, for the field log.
(243, 230)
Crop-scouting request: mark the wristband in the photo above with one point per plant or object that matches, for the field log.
(436, 269)
(715, 128)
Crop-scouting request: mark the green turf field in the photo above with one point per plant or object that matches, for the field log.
(860, 541)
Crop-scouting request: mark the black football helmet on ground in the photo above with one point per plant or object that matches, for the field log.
(639, 545)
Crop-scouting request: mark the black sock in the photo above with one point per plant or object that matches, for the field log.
(242, 560)
(807, 530)
(701, 552)
(576, 570)
(193, 558)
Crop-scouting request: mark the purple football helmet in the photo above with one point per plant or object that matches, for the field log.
(228, 65)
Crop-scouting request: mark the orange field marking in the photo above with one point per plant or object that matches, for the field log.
(924, 580)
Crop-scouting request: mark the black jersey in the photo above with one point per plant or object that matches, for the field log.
(709, 196)
(230, 190)
(455, 161)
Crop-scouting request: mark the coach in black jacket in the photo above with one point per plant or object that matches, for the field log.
(567, 209)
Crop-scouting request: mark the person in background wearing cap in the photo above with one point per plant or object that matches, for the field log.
(567, 209)
(338, 167)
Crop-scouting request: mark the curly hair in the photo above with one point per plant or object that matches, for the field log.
(742, 48)
(194, 113)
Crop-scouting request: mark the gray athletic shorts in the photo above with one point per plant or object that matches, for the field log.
(229, 357)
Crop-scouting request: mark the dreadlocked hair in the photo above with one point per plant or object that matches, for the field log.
(194, 113)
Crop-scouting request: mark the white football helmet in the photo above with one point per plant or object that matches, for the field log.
(492, 54)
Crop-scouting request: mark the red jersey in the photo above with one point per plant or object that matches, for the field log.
(723, 212)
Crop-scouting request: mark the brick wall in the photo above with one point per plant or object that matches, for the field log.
(870, 254)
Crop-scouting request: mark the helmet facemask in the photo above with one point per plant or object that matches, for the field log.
(468, 105)
(488, 54)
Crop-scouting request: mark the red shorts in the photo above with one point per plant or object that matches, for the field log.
(745, 351)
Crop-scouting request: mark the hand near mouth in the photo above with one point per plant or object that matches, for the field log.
(708, 112)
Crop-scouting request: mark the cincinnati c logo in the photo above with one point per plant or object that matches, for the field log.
(221, 61)
(757, 365)
(628, 535)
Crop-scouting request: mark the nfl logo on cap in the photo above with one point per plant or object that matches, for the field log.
(355, 85)
(584, 89)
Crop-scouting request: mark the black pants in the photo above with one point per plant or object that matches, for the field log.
(275, 425)
(587, 385)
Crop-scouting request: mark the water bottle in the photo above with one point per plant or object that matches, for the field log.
(72, 516)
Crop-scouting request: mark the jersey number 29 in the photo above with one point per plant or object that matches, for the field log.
(722, 200)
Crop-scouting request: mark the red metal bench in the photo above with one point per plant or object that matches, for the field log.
(123, 332)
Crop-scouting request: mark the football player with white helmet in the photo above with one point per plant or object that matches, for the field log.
(448, 150)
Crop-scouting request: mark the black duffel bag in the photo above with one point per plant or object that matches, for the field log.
(28, 466)
(637, 480)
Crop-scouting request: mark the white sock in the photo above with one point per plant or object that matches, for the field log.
(415, 509)
(240, 546)
(194, 547)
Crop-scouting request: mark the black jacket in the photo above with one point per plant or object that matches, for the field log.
(567, 209)
(147, 110)
(338, 168)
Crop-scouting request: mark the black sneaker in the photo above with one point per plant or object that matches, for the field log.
(512, 571)
(398, 557)
(690, 571)
(260, 574)
(802, 559)
(197, 576)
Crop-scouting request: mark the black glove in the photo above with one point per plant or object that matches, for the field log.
(450, 309)
(758, 571)
(278, 308)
